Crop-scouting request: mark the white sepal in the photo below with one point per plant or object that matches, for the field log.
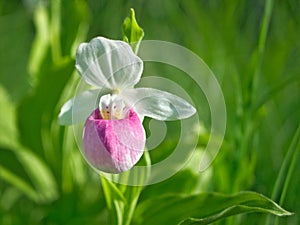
(108, 63)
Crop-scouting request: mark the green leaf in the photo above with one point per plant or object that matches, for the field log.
(7, 120)
(187, 181)
(16, 35)
(41, 42)
(132, 32)
(28, 173)
(18, 182)
(18, 166)
(111, 190)
(115, 200)
(40, 175)
(203, 208)
(37, 110)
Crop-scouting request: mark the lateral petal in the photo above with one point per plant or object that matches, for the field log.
(158, 104)
(79, 108)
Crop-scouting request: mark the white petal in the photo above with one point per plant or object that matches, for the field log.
(158, 104)
(79, 108)
(108, 63)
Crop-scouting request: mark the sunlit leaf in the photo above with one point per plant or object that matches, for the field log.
(7, 120)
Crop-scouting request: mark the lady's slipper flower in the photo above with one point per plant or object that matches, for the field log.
(113, 136)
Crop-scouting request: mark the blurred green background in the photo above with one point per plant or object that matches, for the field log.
(43, 178)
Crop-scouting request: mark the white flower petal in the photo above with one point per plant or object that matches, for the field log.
(108, 63)
(158, 104)
(79, 108)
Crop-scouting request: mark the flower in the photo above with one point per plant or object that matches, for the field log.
(113, 136)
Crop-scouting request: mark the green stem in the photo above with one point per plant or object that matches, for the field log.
(133, 193)
(284, 177)
(247, 117)
(55, 31)
(41, 41)
(122, 199)
(247, 127)
(274, 90)
(288, 179)
(293, 154)
(285, 165)
(290, 173)
(262, 43)
(113, 198)
(131, 206)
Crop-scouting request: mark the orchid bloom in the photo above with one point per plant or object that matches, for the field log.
(113, 136)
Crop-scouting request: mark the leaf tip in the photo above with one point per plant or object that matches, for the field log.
(131, 31)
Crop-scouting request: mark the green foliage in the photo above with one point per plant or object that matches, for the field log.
(16, 37)
(203, 208)
(253, 48)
